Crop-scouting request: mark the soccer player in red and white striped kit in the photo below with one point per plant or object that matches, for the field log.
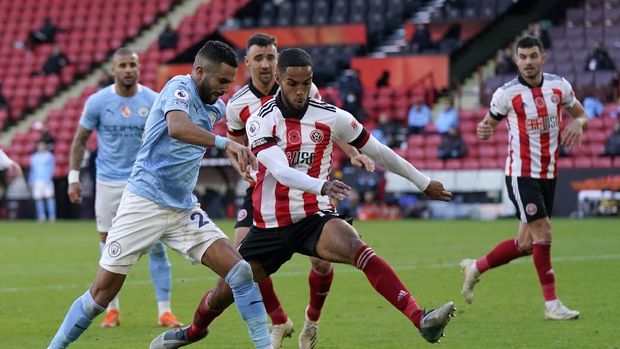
(292, 136)
(531, 103)
(261, 60)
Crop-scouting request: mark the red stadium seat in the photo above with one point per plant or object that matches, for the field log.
(583, 162)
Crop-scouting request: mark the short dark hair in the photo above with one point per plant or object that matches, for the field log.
(529, 41)
(123, 51)
(218, 52)
(293, 57)
(262, 40)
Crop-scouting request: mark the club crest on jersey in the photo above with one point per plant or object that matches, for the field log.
(114, 249)
(126, 111)
(354, 124)
(531, 209)
(316, 136)
(143, 111)
(242, 214)
(253, 127)
(293, 137)
(181, 94)
(540, 102)
(555, 99)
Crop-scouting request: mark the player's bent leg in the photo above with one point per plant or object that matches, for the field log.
(161, 275)
(339, 242)
(84, 310)
(502, 253)
(320, 281)
(282, 326)
(239, 277)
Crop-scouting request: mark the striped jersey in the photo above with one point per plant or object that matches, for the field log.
(533, 114)
(307, 141)
(248, 101)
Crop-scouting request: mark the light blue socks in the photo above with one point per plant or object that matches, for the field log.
(80, 315)
(249, 303)
(161, 272)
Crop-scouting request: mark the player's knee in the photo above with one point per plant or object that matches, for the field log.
(320, 266)
(239, 274)
(525, 248)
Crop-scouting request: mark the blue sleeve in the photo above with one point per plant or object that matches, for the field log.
(90, 115)
(175, 96)
(221, 108)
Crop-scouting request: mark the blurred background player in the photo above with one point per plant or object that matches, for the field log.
(155, 207)
(531, 104)
(293, 211)
(261, 60)
(41, 181)
(118, 113)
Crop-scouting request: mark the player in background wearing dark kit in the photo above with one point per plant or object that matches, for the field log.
(292, 136)
(261, 60)
(531, 103)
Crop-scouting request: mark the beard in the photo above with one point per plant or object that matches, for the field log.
(205, 92)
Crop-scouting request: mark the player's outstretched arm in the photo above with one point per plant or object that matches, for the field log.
(486, 127)
(75, 161)
(357, 159)
(394, 163)
(571, 136)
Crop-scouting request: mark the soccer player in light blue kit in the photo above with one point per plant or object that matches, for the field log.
(118, 113)
(158, 203)
(41, 181)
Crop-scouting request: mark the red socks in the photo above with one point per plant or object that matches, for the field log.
(541, 253)
(272, 303)
(387, 283)
(319, 288)
(202, 318)
(503, 253)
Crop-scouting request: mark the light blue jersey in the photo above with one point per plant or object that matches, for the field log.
(41, 167)
(119, 122)
(166, 169)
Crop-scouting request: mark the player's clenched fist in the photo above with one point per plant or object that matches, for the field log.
(436, 191)
(75, 192)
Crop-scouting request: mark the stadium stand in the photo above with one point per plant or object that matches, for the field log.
(87, 33)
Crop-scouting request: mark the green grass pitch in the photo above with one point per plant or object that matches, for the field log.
(44, 267)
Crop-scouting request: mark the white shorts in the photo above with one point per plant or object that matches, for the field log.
(42, 190)
(107, 198)
(141, 222)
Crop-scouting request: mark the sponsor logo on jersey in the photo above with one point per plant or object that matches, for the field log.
(300, 158)
(542, 124)
(126, 111)
(316, 136)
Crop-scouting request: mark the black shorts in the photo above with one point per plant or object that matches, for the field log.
(245, 216)
(273, 247)
(532, 197)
